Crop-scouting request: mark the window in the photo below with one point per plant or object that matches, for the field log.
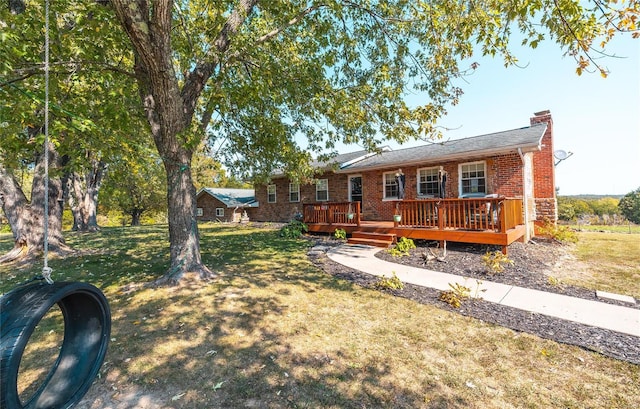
(322, 190)
(199, 211)
(271, 193)
(428, 184)
(390, 185)
(472, 179)
(294, 192)
(219, 211)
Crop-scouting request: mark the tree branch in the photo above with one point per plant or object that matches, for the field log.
(297, 19)
(197, 78)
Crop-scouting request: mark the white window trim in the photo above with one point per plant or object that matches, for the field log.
(384, 186)
(199, 211)
(294, 191)
(484, 165)
(437, 168)
(326, 181)
(218, 212)
(269, 194)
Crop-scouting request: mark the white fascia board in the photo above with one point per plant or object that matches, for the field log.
(453, 157)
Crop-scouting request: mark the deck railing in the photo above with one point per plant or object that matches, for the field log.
(332, 213)
(497, 214)
(482, 214)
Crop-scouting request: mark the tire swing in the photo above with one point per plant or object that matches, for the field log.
(86, 314)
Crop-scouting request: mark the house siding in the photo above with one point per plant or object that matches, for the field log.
(209, 204)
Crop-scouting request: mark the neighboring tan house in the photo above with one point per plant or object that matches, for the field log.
(516, 164)
(225, 205)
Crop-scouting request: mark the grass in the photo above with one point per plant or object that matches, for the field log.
(608, 262)
(275, 332)
(618, 228)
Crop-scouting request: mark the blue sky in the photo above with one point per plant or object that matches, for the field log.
(598, 119)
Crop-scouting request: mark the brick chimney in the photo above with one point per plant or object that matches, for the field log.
(544, 172)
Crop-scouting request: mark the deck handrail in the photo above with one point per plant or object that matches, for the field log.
(496, 214)
(332, 213)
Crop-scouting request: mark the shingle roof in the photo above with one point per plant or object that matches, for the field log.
(232, 197)
(345, 159)
(527, 139)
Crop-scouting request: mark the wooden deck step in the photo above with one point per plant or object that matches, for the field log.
(372, 239)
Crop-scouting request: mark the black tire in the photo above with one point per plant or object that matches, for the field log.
(87, 327)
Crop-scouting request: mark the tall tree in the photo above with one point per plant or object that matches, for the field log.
(89, 109)
(630, 206)
(256, 74)
(83, 192)
(25, 218)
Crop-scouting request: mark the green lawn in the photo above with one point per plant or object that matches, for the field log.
(627, 228)
(272, 331)
(607, 261)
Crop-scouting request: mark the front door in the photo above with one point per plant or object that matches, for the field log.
(355, 189)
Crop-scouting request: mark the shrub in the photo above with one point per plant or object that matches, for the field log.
(392, 283)
(340, 234)
(293, 229)
(560, 233)
(495, 261)
(402, 247)
(456, 295)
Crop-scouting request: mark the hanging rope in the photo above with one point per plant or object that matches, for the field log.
(46, 270)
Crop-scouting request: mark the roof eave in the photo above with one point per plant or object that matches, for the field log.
(451, 157)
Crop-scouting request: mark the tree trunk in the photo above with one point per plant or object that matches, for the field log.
(136, 214)
(84, 198)
(184, 236)
(27, 218)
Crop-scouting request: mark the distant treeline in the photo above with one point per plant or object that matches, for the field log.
(594, 209)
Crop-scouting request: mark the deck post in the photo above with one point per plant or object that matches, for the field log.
(503, 219)
(441, 213)
(358, 214)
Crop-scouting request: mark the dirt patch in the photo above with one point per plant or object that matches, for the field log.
(534, 264)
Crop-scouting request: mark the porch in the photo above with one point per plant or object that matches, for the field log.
(494, 221)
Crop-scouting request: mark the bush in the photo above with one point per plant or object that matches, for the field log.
(456, 295)
(293, 230)
(402, 247)
(392, 283)
(495, 261)
(563, 234)
(340, 234)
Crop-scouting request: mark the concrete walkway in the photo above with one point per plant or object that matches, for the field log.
(598, 314)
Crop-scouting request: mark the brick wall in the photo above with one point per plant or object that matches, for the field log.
(504, 175)
(208, 204)
(283, 210)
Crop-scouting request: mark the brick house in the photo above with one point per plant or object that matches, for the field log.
(516, 164)
(225, 205)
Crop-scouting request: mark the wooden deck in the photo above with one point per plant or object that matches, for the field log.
(494, 221)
